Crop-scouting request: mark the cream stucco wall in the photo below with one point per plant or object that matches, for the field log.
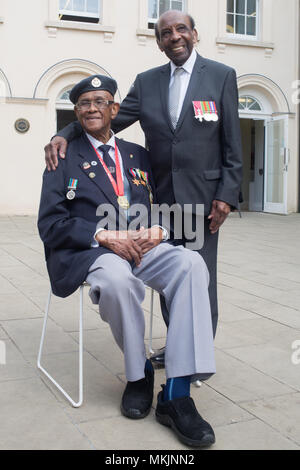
(40, 56)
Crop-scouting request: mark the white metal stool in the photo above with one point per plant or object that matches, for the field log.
(80, 383)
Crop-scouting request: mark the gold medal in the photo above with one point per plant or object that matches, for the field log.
(123, 202)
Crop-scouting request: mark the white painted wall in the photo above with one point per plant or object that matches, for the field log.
(122, 45)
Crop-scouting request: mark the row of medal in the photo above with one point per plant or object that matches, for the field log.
(139, 178)
(206, 110)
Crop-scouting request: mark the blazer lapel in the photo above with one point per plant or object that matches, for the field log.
(164, 92)
(100, 178)
(196, 77)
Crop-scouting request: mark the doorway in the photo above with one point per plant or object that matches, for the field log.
(253, 145)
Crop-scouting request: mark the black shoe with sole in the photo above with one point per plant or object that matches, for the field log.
(138, 396)
(182, 416)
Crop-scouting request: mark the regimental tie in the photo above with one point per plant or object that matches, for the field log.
(107, 158)
(174, 95)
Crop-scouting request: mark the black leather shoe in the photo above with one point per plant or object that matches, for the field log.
(138, 396)
(182, 416)
(158, 359)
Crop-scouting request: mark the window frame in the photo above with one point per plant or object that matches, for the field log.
(153, 21)
(62, 12)
(245, 36)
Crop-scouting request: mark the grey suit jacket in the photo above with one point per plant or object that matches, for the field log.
(199, 161)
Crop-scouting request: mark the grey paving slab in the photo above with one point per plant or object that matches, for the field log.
(15, 367)
(240, 382)
(251, 435)
(102, 389)
(18, 306)
(252, 332)
(27, 334)
(32, 419)
(272, 360)
(279, 412)
(252, 401)
(125, 434)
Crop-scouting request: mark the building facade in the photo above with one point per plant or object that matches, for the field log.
(49, 45)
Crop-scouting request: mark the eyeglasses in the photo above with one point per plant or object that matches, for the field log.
(99, 104)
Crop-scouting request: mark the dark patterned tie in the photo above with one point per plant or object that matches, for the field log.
(107, 158)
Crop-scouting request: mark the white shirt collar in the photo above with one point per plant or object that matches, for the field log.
(188, 65)
(96, 143)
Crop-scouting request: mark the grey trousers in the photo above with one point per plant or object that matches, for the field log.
(181, 276)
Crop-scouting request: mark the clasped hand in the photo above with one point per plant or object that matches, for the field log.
(130, 245)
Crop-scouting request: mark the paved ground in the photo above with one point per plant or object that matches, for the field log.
(253, 400)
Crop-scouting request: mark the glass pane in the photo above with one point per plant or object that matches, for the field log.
(93, 6)
(251, 26)
(255, 106)
(240, 24)
(164, 5)
(66, 4)
(241, 6)
(78, 5)
(230, 24)
(251, 7)
(275, 162)
(152, 9)
(230, 6)
(65, 96)
(176, 5)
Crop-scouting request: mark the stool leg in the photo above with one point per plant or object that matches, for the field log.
(151, 322)
(73, 403)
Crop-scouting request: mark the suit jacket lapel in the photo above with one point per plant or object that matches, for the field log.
(164, 92)
(196, 77)
(87, 153)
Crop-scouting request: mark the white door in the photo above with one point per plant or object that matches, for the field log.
(276, 165)
(256, 187)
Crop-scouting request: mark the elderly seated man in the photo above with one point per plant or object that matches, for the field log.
(103, 171)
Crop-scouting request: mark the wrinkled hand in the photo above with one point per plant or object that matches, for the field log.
(122, 243)
(218, 215)
(57, 145)
(148, 238)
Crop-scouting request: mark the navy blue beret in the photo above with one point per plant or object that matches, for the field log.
(93, 83)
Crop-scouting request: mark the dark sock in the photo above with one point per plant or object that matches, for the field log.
(148, 365)
(177, 387)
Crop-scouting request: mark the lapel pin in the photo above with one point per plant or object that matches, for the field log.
(86, 166)
(94, 163)
(92, 175)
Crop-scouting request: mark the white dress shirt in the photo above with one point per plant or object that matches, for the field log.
(185, 78)
(97, 143)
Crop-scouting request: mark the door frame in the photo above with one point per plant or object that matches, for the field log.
(277, 208)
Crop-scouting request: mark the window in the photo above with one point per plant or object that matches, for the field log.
(158, 7)
(242, 17)
(64, 110)
(80, 10)
(247, 103)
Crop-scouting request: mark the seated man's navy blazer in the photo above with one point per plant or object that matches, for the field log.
(67, 227)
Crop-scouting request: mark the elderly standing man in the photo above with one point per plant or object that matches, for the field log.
(117, 264)
(188, 110)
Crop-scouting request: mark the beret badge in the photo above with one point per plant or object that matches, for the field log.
(96, 83)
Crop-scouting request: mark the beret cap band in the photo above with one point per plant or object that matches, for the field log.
(93, 83)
